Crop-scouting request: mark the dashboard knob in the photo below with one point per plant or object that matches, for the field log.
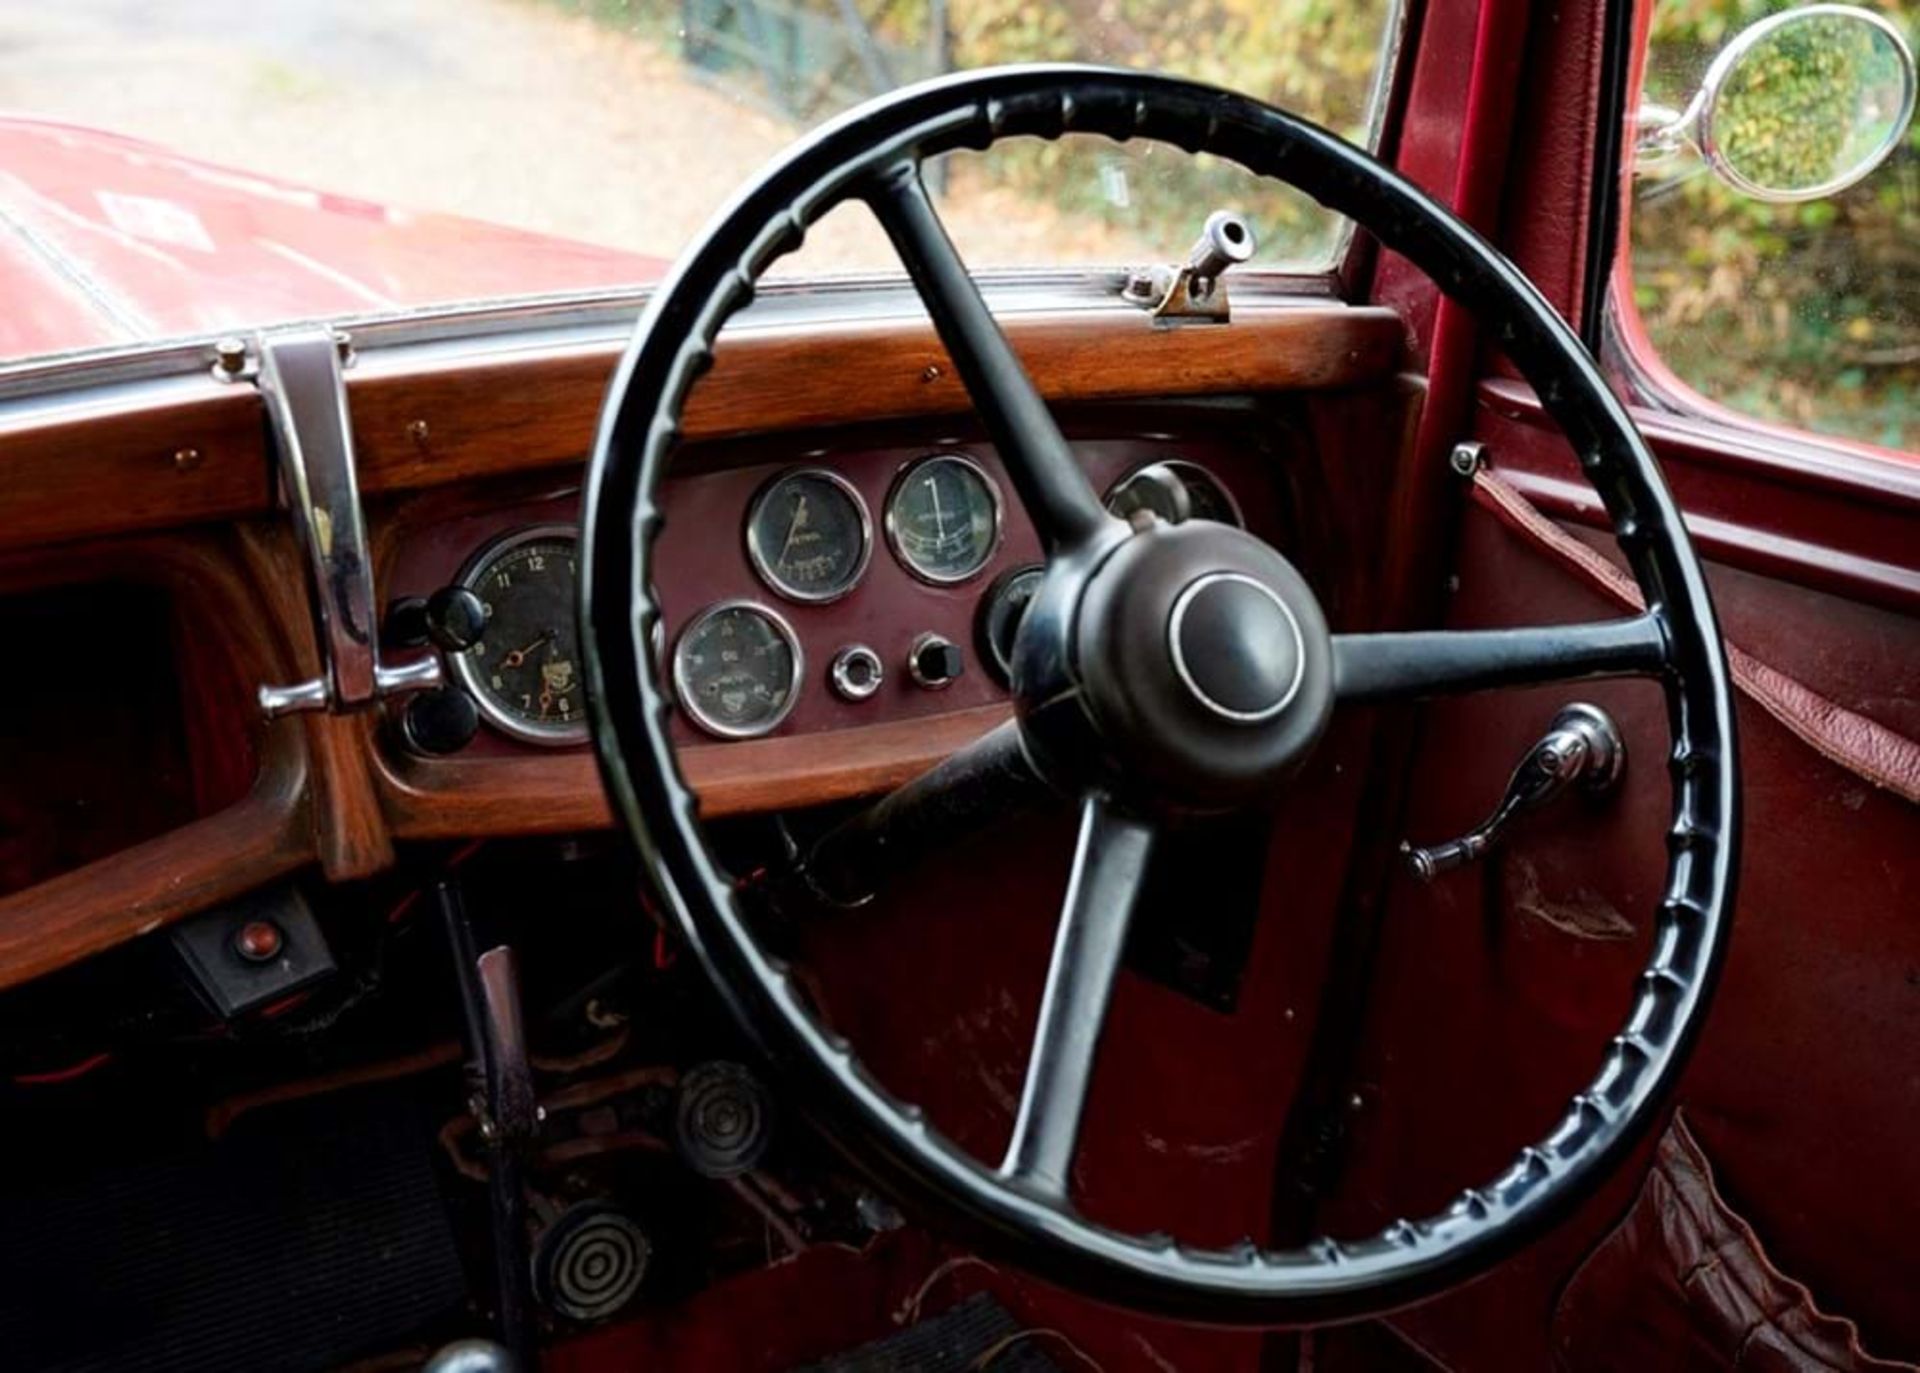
(456, 618)
(439, 722)
(934, 662)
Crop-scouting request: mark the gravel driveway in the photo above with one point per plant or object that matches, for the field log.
(507, 110)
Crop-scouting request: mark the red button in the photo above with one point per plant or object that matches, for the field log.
(258, 940)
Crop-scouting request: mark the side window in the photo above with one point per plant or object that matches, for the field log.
(1773, 254)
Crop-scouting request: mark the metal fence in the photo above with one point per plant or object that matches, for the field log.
(808, 61)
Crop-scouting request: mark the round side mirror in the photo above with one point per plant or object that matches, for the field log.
(1806, 103)
(1801, 105)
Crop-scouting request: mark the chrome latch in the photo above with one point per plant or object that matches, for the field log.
(299, 376)
(1195, 292)
(1581, 749)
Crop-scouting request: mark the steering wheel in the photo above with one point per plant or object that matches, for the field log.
(1163, 668)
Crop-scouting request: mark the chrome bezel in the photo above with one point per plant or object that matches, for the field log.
(900, 554)
(1178, 465)
(685, 696)
(758, 555)
(839, 670)
(466, 669)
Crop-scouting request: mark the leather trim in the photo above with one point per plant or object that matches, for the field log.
(1884, 757)
(1684, 1281)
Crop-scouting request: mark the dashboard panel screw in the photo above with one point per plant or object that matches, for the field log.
(187, 459)
(932, 373)
(230, 356)
(419, 433)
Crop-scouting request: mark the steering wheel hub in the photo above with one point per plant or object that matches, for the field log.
(1204, 663)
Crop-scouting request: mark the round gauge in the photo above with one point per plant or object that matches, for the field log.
(943, 518)
(1176, 491)
(809, 536)
(524, 670)
(737, 668)
(1001, 611)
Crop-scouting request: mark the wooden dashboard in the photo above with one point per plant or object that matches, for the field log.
(1298, 409)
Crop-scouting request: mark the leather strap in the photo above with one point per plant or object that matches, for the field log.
(1882, 756)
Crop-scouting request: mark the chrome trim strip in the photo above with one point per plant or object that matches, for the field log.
(301, 382)
(573, 319)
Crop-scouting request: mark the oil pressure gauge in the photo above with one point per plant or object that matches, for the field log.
(737, 669)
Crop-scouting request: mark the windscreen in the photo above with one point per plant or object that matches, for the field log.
(194, 168)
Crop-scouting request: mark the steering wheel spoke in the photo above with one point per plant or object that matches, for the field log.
(1055, 491)
(1109, 866)
(1388, 667)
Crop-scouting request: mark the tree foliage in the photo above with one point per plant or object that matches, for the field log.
(1809, 313)
(1318, 58)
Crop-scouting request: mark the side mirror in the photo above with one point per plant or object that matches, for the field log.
(1799, 106)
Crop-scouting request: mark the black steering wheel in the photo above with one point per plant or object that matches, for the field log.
(1168, 667)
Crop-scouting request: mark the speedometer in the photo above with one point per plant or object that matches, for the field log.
(524, 671)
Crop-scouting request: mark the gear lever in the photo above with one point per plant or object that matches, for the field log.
(503, 1101)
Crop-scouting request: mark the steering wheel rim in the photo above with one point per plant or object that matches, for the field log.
(874, 153)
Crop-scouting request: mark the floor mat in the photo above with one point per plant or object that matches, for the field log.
(312, 1235)
(979, 1333)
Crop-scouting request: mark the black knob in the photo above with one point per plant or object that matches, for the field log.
(456, 618)
(934, 662)
(442, 721)
(406, 623)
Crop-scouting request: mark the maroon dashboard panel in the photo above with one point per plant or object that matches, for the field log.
(704, 559)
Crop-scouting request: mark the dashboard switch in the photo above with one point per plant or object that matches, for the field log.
(456, 618)
(934, 662)
(856, 672)
(452, 619)
(441, 721)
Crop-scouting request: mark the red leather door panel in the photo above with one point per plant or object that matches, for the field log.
(1496, 988)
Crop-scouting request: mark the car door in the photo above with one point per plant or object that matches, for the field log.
(1769, 354)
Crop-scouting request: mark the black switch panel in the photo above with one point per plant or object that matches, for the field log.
(223, 950)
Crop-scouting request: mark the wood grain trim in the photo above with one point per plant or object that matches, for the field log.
(267, 833)
(426, 425)
(350, 833)
(92, 469)
(429, 426)
(138, 890)
(454, 798)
